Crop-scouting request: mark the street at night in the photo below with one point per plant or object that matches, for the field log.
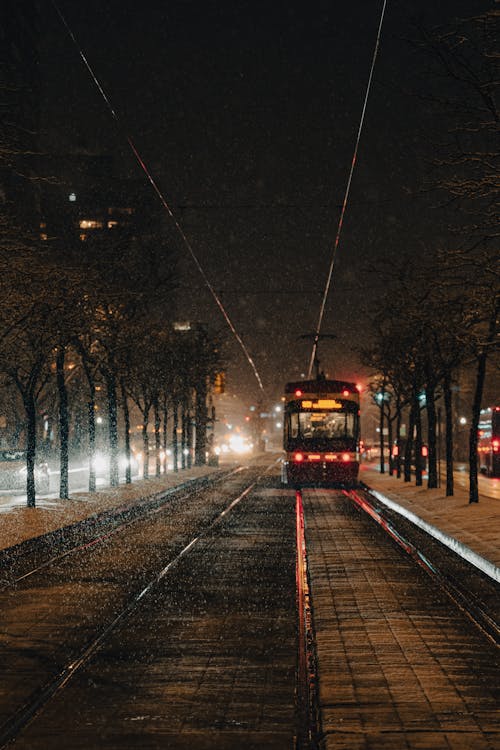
(178, 629)
(249, 375)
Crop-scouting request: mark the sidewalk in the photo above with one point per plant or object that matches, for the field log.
(476, 525)
(19, 523)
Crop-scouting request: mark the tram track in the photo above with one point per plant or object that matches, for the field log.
(106, 524)
(13, 726)
(308, 712)
(462, 595)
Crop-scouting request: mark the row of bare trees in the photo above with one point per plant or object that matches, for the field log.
(441, 308)
(429, 326)
(97, 317)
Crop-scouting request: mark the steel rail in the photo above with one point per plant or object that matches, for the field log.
(465, 600)
(14, 725)
(308, 730)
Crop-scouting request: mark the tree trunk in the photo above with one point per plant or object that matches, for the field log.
(201, 420)
(30, 408)
(432, 478)
(91, 418)
(409, 443)
(389, 441)
(474, 426)
(398, 437)
(418, 441)
(145, 444)
(156, 408)
(91, 426)
(113, 428)
(381, 437)
(189, 440)
(476, 406)
(63, 425)
(126, 420)
(165, 430)
(175, 443)
(448, 409)
(183, 435)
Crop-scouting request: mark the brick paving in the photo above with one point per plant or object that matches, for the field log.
(208, 659)
(399, 666)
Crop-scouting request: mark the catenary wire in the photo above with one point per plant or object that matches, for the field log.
(346, 196)
(162, 199)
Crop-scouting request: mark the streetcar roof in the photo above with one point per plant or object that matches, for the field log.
(320, 385)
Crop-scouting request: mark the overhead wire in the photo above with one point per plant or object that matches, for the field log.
(161, 197)
(346, 197)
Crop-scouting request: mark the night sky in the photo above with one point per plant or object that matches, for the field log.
(247, 114)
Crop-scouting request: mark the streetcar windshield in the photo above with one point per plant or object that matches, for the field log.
(325, 425)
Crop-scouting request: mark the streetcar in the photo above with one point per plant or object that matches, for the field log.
(321, 433)
(488, 447)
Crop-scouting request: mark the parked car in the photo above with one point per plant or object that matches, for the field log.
(13, 472)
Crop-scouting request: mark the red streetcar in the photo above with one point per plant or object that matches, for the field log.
(488, 447)
(321, 433)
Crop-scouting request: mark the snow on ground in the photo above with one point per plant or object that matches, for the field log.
(19, 523)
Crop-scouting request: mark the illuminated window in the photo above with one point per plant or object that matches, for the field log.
(83, 236)
(112, 224)
(43, 225)
(91, 224)
(44, 236)
(118, 210)
(72, 197)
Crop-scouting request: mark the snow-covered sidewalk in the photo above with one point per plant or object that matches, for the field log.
(19, 523)
(476, 525)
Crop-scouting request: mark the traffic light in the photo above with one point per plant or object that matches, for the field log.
(220, 383)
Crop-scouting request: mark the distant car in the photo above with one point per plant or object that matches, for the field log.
(13, 472)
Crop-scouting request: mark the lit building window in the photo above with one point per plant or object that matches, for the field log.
(113, 210)
(43, 225)
(91, 224)
(44, 236)
(83, 236)
(112, 224)
(72, 197)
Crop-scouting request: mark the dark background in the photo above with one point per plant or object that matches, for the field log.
(246, 114)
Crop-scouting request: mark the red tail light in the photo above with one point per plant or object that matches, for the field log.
(298, 392)
(346, 457)
(496, 446)
(298, 457)
(345, 392)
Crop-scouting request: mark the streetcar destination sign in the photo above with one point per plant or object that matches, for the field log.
(322, 403)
